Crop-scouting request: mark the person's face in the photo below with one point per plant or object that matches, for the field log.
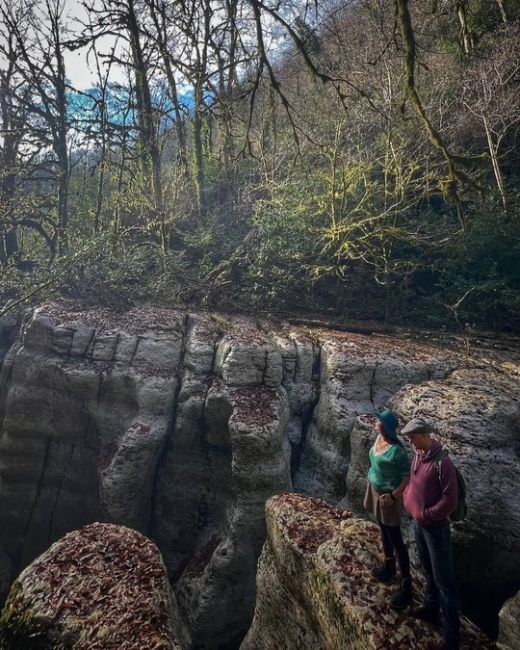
(420, 441)
(379, 427)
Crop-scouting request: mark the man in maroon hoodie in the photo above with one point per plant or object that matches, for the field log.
(430, 497)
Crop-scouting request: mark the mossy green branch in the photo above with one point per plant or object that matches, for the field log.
(408, 38)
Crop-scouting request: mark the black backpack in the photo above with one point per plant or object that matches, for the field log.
(461, 509)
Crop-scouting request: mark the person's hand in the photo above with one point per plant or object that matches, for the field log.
(386, 500)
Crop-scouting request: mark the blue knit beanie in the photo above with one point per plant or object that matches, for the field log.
(390, 423)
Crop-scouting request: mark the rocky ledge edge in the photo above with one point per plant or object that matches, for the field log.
(315, 590)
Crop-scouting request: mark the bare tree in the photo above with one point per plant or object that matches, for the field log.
(163, 33)
(102, 126)
(491, 93)
(122, 19)
(34, 32)
(12, 116)
(40, 63)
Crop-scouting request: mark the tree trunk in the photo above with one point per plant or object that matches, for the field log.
(99, 199)
(182, 156)
(60, 138)
(502, 10)
(11, 242)
(198, 146)
(162, 41)
(493, 152)
(147, 121)
(102, 156)
(117, 208)
(11, 137)
(466, 37)
(4, 260)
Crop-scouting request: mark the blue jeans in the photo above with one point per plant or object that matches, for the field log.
(435, 554)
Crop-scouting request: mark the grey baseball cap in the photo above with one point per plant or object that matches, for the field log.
(417, 425)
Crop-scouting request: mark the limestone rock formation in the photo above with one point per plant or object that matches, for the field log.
(509, 628)
(171, 424)
(182, 425)
(103, 586)
(358, 375)
(315, 590)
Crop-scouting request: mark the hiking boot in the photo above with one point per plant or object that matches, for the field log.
(403, 597)
(427, 614)
(385, 572)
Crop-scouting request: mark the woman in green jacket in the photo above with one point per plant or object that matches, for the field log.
(387, 478)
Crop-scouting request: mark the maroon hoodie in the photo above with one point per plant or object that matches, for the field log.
(429, 502)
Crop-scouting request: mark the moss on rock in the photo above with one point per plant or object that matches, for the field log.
(315, 590)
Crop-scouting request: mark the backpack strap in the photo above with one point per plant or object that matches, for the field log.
(437, 461)
(460, 511)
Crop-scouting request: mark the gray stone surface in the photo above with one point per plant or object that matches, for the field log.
(358, 375)
(476, 414)
(182, 425)
(509, 624)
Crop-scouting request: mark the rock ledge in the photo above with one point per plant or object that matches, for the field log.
(315, 590)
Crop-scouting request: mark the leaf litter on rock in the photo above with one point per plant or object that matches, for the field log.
(109, 583)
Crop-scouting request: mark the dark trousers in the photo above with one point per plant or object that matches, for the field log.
(435, 554)
(393, 544)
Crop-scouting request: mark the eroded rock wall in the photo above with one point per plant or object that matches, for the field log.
(358, 374)
(476, 413)
(182, 425)
(167, 423)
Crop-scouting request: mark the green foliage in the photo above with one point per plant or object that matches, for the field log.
(486, 263)
(287, 230)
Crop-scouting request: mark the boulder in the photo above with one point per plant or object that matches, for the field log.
(509, 624)
(103, 586)
(315, 590)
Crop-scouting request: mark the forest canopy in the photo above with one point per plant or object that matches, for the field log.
(358, 159)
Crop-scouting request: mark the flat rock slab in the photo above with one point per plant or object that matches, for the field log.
(315, 590)
(103, 586)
